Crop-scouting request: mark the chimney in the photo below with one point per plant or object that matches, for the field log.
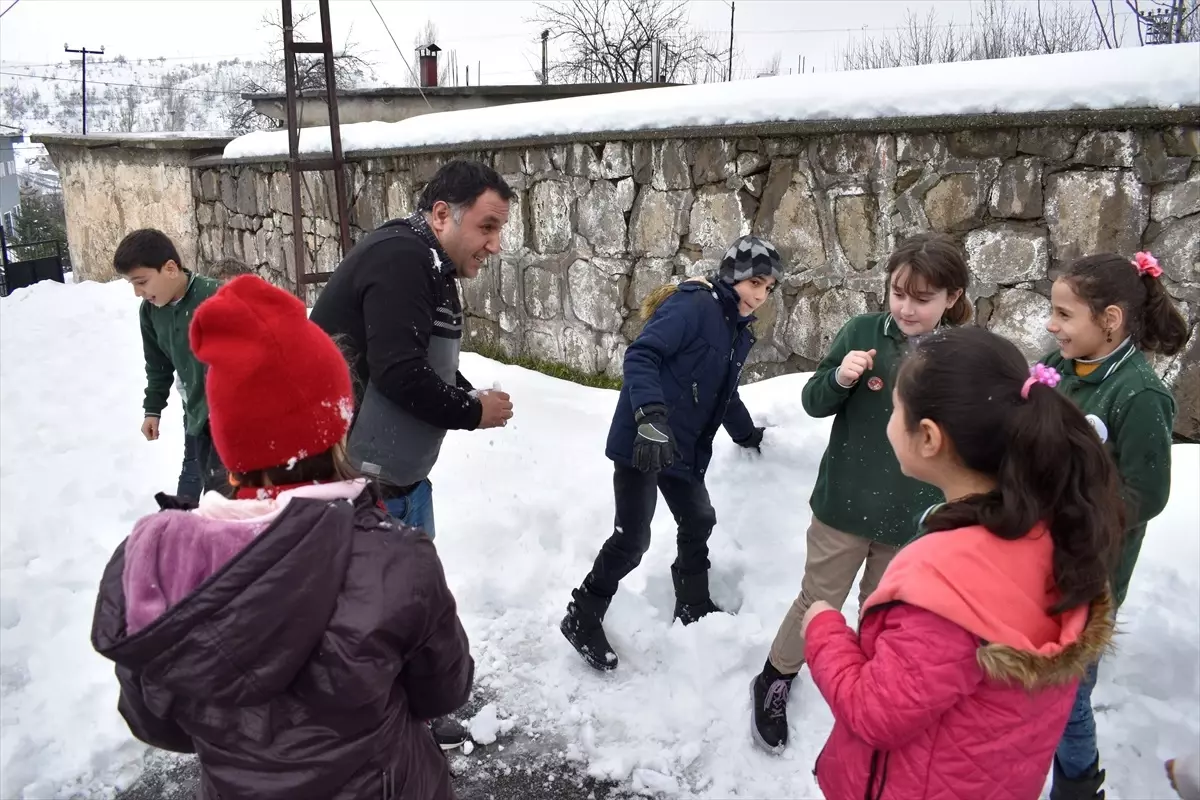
(428, 69)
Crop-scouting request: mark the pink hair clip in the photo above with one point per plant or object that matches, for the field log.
(1040, 373)
(1146, 264)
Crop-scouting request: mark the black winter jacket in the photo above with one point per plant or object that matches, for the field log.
(306, 666)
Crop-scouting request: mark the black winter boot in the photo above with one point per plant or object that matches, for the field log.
(769, 693)
(582, 627)
(691, 596)
(1085, 787)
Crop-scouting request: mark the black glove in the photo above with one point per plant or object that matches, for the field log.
(754, 440)
(654, 447)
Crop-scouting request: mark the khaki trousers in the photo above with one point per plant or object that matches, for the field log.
(829, 570)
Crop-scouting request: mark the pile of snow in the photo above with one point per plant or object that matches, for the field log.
(521, 513)
(1164, 76)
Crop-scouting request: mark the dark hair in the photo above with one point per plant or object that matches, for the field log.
(228, 268)
(332, 465)
(1048, 463)
(460, 183)
(145, 248)
(1108, 279)
(936, 259)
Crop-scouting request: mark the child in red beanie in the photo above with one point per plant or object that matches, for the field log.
(294, 638)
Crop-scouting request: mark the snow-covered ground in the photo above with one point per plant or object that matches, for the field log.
(1163, 76)
(521, 513)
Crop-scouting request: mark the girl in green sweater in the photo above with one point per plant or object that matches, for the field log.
(863, 507)
(1107, 311)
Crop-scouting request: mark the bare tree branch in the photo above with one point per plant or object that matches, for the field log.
(999, 29)
(612, 41)
(349, 70)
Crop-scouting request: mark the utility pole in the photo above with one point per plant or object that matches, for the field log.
(84, 52)
(545, 57)
(732, 8)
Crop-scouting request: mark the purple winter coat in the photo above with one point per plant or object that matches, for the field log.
(305, 665)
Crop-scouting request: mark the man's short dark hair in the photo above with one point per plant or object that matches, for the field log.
(145, 248)
(460, 183)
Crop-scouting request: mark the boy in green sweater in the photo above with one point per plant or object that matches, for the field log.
(170, 295)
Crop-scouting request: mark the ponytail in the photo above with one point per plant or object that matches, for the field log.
(960, 312)
(1163, 328)
(1048, 463)
(1135, 286)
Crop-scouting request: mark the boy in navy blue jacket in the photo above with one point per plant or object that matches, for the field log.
(681, 379)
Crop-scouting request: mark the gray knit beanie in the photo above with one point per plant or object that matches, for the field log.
(748, 257)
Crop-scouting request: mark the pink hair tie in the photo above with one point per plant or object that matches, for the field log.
(1146, 264)
(1040, 373)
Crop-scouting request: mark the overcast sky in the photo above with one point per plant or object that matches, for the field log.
(496, 36)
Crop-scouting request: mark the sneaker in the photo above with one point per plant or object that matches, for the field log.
(689, 613)
(1085, 787)
(448, 733)
(590, 642)
(769, 697)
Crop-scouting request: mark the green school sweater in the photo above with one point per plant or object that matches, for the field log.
(860, 489)
(1133, 412)
(168, 352)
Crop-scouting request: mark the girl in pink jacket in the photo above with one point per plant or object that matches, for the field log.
(960, 679)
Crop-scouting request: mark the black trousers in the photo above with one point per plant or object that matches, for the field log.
(213, 476)
(636, 494)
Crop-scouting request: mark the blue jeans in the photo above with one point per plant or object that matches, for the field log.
(191, 481)
(414, 509)
(1077, 750)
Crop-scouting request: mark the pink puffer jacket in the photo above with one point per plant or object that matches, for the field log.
(959, 683)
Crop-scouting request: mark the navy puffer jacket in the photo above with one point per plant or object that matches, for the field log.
(688, 358)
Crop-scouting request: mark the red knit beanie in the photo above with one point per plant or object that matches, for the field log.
(278, 387)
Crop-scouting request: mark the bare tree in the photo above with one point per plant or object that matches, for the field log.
(350, 69)
(773, 65)
(612, 41)
(998, 29)
(128, 100)
(447, 64)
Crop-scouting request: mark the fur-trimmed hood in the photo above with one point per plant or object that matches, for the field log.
(659, 296)
(1032, 670)
(1001, 591)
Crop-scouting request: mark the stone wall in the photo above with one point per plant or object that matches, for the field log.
(597, 225)
(113, 184)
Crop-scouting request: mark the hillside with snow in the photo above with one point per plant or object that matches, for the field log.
(129, 95)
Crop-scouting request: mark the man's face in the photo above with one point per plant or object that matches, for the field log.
(475, 236)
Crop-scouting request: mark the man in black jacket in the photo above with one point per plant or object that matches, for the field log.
(393, 306)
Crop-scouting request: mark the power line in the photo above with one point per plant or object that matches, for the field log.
(416, 79)
(134, 85)
(10, 7)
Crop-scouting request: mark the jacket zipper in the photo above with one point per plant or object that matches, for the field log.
(695, 393)
(870, 794)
